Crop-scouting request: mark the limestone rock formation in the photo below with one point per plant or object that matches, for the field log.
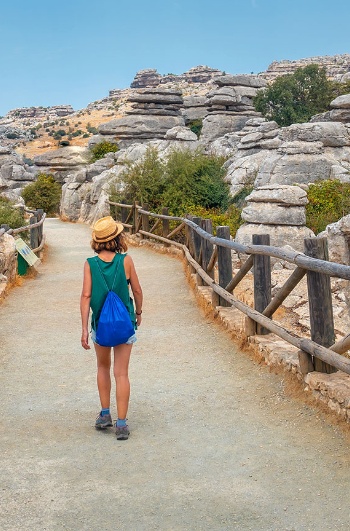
(153, 113)
(277, 210)
(14, 172)
(62, 161)
(300, 153)
(8, 261)
(337, 66)
(340, 111)
(276, 205)
(49, 113)
(338, 237)
(146, 78)
(151, 78)
(195, 108)
(230, 105)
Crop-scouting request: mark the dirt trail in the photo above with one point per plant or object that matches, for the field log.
(215, 442)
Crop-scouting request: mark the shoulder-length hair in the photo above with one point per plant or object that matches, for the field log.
(117, 245)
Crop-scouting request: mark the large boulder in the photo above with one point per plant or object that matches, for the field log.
(341, 102)
(217, 125)
(243, 80)
(135, 128)
(276, 205)
(280, 235)
(63, 161)
(338, 237)
(331, 134)
(8, 261)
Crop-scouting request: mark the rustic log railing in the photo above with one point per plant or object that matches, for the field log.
(203, 251)
(35, 226)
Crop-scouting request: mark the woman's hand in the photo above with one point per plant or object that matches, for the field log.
(138, 319)
(85, 340)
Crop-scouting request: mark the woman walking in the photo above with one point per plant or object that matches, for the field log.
(115, 270)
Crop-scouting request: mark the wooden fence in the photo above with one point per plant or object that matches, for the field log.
(36, 228)
(203, 252)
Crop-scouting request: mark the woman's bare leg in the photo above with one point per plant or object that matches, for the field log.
(103, 357)
(121, 375)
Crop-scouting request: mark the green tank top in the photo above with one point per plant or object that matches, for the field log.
(112, 269)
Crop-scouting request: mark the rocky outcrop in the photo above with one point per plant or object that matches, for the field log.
(338, 238)
(337, 66)
(301, 153)
(230, 105)
(201, 74)
(277, 210)
(194, 108)
(49, 113)
(146, 78)
(8, 261)
(340, 111)
(14, 172)
(151, 78)
(62, 161)
(153, 112)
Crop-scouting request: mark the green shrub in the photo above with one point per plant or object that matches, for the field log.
(196, 127)
(231, 218)
(92, 129)
(100, 150)
(295, 98)
(193, 178)
(12, 136)
(45, 193)
(145, 181)
(329, 201)
(9, 215)
(185, 180)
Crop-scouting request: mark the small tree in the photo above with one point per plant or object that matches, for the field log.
(295, 98)
(100, 150)
(145, 180)
(45, 193)
(9, 215)
(193, 178)
(329, 201)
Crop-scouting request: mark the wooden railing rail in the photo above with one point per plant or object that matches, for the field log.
(203, 251)
(35, 226)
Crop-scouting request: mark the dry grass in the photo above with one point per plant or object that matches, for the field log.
(78, 121)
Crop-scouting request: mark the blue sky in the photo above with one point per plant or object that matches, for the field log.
(75, 51)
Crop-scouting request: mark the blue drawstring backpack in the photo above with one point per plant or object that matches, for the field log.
(114, 325)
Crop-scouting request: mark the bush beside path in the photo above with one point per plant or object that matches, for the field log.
(216, 443)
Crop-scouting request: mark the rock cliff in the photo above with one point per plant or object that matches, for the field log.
(337, 67)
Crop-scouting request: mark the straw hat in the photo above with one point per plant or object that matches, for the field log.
(106, 229)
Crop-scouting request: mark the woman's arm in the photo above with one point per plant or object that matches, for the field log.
(85, 306)
(136, 289)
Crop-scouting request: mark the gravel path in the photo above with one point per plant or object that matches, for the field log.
(215, 444)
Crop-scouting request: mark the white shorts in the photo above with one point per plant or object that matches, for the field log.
(132, 339)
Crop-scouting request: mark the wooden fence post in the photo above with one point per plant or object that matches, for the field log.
(207, 247)
(134, 217)
(197, 240)
(144, 220)
(262, 279)
(320, 301)
(123, 214)
(224, 261)
(166, 225)
(39, 215)
(34, 237)
(189, 236)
